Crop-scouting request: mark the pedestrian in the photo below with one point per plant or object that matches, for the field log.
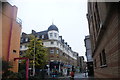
(68, 71)
(85, 72)
(72, 74)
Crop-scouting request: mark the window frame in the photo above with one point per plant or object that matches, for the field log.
(52, 51)
(52, 42)
(42, 36)
(55, 34)
(95, 65)
(51, 35)
(14, 51)
(103, 62)
(57, 51)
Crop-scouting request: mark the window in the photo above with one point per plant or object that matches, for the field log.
(97, 17)
(52, 42)
(38, 36)
(21, 40)
(21, 46)
(95, 63)
(100, 59)
(51, 35)
(52, 51)
(63, 54)
(55, 35)
(57, 51)
(42, 36)
(26, 39)
(14, 51)
(25, 46)
(57, 43)
(103, 59)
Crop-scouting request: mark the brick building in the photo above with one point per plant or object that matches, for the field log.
(11, 29)
(60, 53)
(104, 27)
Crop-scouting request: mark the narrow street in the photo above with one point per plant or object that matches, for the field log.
(78, 76)
(81, 75)
(59, 39)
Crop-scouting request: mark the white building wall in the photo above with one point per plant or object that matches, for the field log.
(57, 44)
(53, 35)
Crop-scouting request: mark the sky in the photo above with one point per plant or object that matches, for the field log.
(68, 15)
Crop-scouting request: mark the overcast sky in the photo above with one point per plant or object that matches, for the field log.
(68, 15)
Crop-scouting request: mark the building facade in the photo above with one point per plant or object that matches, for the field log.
(81, 64)
(11, 29)
(104, 28)
(61, 55)
(89, 55)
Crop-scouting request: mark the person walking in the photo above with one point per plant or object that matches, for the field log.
(72, 75)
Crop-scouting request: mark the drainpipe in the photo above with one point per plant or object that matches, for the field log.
(10, 35)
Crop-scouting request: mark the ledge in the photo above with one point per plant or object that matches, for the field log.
(102, 66)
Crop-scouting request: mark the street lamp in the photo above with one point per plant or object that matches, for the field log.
(34, 60)
(48, 69)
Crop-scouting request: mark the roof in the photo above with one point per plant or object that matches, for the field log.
(52, 27)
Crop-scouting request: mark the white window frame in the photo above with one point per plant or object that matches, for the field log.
(55, 34)
(57, 51)
(52, 51)
(51, 35)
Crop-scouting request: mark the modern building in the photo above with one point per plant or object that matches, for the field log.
(61, 55)
(11, 29)
(104, 27)
(89, 56)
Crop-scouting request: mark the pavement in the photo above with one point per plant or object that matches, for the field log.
(78, 76)
(82, 75)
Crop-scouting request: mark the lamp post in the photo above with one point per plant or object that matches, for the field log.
(34, 60)
(48, 69)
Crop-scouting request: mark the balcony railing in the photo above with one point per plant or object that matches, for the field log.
(19, 21)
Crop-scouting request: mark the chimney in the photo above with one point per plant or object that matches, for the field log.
(23, 34)
(33, 32)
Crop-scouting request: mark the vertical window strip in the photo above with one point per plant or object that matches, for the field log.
(104, 57)
(100, 59)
